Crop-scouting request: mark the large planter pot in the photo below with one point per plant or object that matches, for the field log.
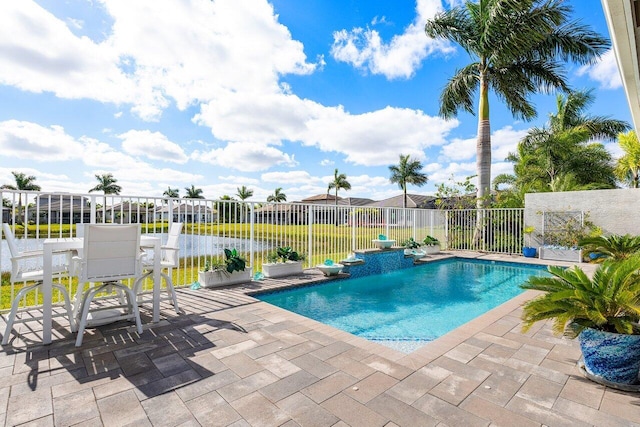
(281, 269)
(557, 254)
(612, 357)
(212, 279)
(529, 252)
(431, 249)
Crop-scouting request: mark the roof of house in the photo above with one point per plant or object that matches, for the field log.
(413, 201)
(354, 201)
(320, 197)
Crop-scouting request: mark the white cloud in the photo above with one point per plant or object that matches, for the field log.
(371, 139)
(365, 49)
(605, 71)
(503, 142)
(157, 50)
(153, 145)
(241, 180)
(245, 156)
(327, 162)
(39, 53)
(27, 140)
(288, 177)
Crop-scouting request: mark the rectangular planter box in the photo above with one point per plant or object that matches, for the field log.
(281, 269)
(570, 255)
(212, 279)
(431, 249)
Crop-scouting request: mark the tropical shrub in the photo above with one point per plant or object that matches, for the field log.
(615, 246)
(610, 301)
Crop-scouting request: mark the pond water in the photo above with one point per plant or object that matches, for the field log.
(190, 245)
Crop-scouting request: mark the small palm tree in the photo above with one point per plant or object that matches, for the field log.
(608, 302)
(244, 193)
(517, 49)
(628, 166)
(22, 183)
(193, 193)
(172, 193)
(107, 184)
(339, 183)
(407, 171)
(616, 247)
(278, 196)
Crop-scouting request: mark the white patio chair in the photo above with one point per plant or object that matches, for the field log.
(111, 253)
(22, 270)
(169, 259)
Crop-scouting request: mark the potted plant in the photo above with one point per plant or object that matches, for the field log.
(528, 250)
(234, 270)
(432, 245)
(603, 312)
(410, 245)
(283, 262)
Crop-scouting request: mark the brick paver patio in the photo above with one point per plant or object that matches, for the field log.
(231, 360)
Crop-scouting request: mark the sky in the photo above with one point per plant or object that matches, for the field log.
(224, 93)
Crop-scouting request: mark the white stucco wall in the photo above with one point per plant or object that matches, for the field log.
(615, 211)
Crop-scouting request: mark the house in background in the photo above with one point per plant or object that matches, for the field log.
(186, 213)
(61, 209)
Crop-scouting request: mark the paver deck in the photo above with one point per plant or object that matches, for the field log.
(231, 360)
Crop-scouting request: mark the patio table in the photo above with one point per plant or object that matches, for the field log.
(50, 246)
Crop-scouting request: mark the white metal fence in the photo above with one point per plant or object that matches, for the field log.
(319, 231)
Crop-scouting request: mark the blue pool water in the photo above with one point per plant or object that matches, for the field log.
(406, 308)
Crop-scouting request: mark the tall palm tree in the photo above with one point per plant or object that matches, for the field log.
(193, 193)
(407, 171)
(244, 193)
(107, 184)
(517, 49)
(339, 183)
(173, 193)
(278, 196)
(628, 166)
(22, 183)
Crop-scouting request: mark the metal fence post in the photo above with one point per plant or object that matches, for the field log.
(310, 235)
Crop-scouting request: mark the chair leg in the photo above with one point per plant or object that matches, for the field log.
(14, 311)
(67, 306)
(172, 292)
(82, 321)
(137, 285)
(133, 304)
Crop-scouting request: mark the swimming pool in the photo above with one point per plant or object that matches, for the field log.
(407, 308)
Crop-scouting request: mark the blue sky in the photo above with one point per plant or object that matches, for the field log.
(224, 93)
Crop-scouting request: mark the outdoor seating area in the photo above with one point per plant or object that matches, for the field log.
(230, 359)
(100, 260)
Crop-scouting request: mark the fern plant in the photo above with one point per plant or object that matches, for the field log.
(617, 247)
(610, 301)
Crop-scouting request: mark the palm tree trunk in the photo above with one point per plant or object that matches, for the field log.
(404, 201)
(483, 161)
(483, 145)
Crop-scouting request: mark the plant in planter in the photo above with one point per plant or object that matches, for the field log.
(233, 270)
(602, 312)
(432, 245)
(410, 245)
(528, 251)
(283, 262)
